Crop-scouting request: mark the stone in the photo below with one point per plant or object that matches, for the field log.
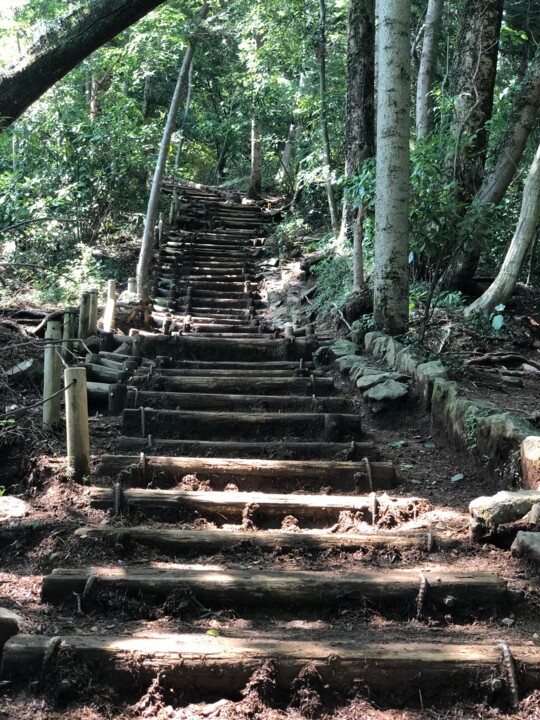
(322, 357)
(512, 380)
(379, 347)
(12, 508)
(499, 438)
(504, 507)
(387, 392)
(370, 339)
(30, 370)
(368, 381)
(534, 515)
(360, 370)
(426, 374)
(527, 544)
(358, 332)
(344, 347)
(394, 347)
(347, 362)
(530, 462)
(408, 359)
(10, 624)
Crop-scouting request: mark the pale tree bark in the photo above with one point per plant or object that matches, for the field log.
(504, 284)
(178, 155)
(521, 120)
(359, 115)
(147, 243)
(428, 65)
(327, 155)
(63, 47)
(286, 170)
(391, 280)
(255, 179)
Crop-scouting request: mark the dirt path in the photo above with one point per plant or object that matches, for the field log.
(245, 548)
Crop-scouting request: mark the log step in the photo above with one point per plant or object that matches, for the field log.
(254, 403)
(273, 450)
(243, 366)
(250, 426)
(379, 475)
(236, 373)
(244, 385)
(215, 541)
(229, 588)
(223, 665)
(268, 509)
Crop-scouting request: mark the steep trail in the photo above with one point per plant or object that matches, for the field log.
(249, 518)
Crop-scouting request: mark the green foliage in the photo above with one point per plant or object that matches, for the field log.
(334, 283)
(496, 318)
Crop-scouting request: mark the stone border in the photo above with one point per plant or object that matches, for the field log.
(507, 445)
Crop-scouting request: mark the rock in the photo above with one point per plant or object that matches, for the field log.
(408, 359)
(368, 381)
(530, 462)
(379, 347)
(370, 339)
(322, 357)
(458, 477)
(508, 622)
(512, 380)
(387, 392)
(527, 544)
(347, 362)
(499, 438)
(10, 624)
(426, 374)
(363, 369)
(30, 370)
(12, 507)
(534, 515)
(358, 332)
(341, 348)
(394, 347)
(504, 507)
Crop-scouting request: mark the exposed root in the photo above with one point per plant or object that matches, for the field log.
(308, 688)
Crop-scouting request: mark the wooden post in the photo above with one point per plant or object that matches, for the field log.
(289, 330)
(52, 374)
(84, 316)
(78, 440)
(92, 325)
(117, 398)
(171, 214)
(160, 228)
(132, 286)
(68, 331)
(110, 309)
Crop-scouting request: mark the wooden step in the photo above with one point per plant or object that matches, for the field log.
(268, 509)
(209, 542)
(345, 474)
(243, 366)
(282, 450)
(223, 665)
(250, 426)
(229, 588)
(225, 384)
(251, 403)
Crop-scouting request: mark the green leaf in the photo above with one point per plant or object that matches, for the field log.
(397, 443)
(497, 322)
(213, 632)
(500, 308)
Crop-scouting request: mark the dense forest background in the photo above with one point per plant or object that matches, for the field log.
(275, 76)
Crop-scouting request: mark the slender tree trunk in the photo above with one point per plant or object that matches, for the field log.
(358, 251)
(178, 156)
(359, 112)
(286, 170)
(63, 47)
(147, 96)
(521, 120)
(391, 285)
(504, 284)
(428, 64)
(327, 155)
(147, 244)
(255, 180)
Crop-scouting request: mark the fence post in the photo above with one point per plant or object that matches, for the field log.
(52, 374)
(68, 331)
(93, 320)
(78, 439)
(109, 318)
(84, 316)
(132, 286)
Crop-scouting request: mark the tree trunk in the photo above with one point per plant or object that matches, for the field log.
(360, 107)
(504, 284)
(147, 96)
(63, 47)
(428, 64)
(178, 156)
(391, 283)
(147, 243)
(255, 180)
(472, 83)
(521, 120)
(327, 156)
(286, 170)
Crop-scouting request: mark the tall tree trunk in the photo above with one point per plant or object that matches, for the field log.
(255, 179)
(147, 243)
(63, 47)
(521, 120)
(428, 65)
(327, 155)
(147, 96)
(359, 112)
(391, 285)
(286, 170)
(504, 284)
(178, 156)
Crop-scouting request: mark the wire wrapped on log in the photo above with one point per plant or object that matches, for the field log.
(421, 598)
(510, 670)
(369, 475)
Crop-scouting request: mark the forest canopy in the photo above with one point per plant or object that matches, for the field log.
(281, 101)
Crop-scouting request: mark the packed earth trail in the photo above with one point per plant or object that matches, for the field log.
(245, 538)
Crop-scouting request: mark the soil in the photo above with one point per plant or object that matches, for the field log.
(32, 467)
